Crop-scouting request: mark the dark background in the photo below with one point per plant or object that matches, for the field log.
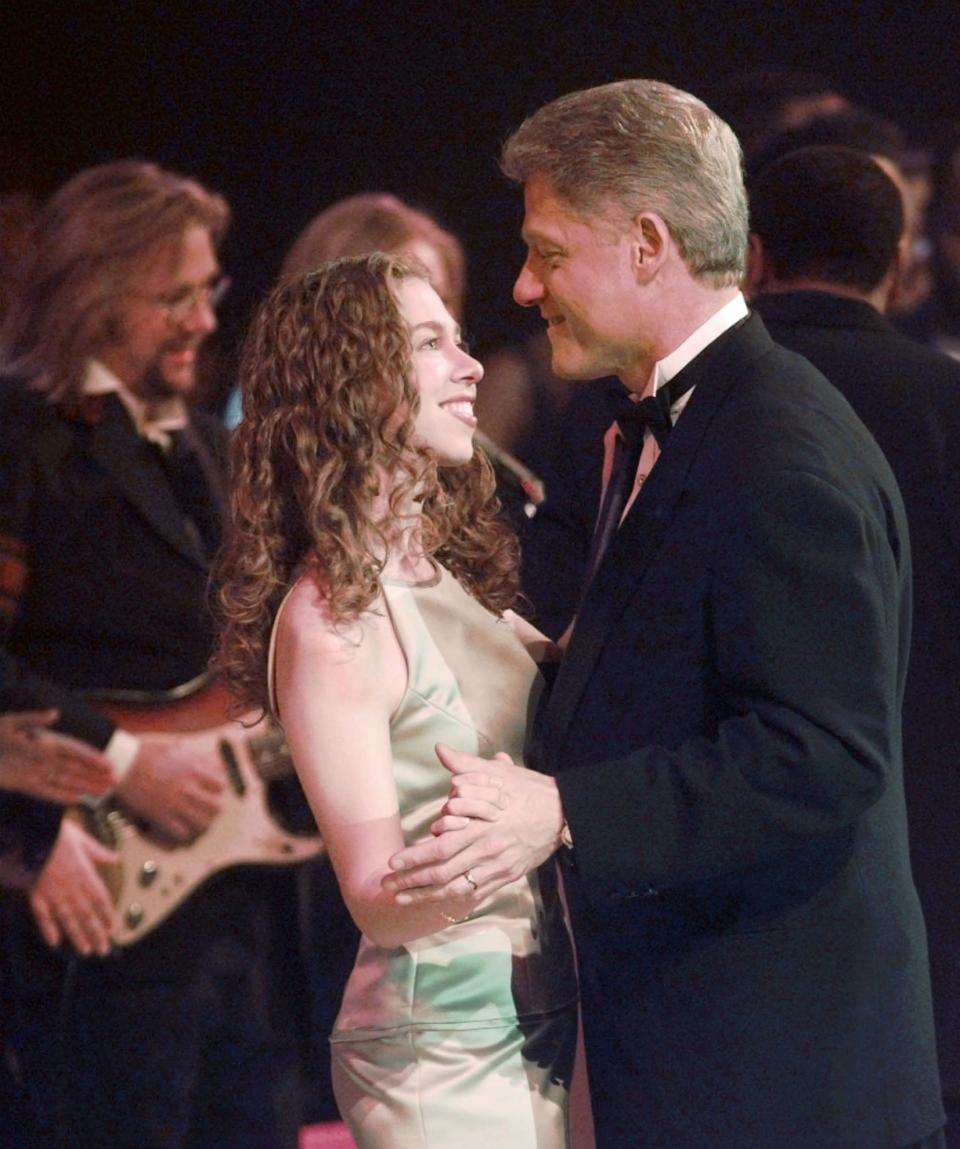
(285, 107)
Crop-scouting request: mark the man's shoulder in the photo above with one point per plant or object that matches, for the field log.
(783, 411)
(848, 336)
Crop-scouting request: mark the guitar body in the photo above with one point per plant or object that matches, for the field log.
(154, 877)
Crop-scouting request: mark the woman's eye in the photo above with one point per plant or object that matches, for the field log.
(430, 344)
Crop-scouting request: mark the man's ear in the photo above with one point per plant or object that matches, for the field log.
(651, 244)
(757, 271)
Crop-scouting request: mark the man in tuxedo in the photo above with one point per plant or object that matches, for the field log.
(111, 490)
(720, 751)
(825, 260)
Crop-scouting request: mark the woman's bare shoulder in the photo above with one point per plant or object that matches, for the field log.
(306, 622)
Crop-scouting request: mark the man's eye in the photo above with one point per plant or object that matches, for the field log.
(548, 258)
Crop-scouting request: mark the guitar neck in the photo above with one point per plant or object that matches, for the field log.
(193, 709)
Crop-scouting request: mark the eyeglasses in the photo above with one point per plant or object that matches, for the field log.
(179, 304)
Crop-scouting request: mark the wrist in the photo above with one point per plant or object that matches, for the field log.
(121, 750)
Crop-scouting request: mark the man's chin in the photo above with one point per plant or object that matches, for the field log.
(169, 380)
(566, 367)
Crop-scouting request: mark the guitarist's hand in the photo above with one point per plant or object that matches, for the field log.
(69, 899)
(55, 767)
(175, 783)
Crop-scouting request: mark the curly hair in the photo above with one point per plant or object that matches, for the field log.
(330, 402)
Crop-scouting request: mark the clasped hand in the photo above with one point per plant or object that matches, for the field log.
(500, 821)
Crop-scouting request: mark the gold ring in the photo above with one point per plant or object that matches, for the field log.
(469, 877)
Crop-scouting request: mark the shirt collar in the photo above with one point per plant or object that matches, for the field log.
(153, 421)
(665, 369)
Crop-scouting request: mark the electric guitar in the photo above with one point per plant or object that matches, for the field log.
(154, 876)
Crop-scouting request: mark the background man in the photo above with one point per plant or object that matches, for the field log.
(825, 259)
(110, 494)
(722, 742)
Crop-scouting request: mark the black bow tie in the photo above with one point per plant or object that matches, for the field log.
(653, 411)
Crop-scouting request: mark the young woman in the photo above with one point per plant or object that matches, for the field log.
(366, 542)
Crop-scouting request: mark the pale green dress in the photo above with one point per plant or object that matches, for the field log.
(464, 1038)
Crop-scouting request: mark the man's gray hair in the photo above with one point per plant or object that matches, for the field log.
(641, 145)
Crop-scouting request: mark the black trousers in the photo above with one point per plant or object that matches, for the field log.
(206, 1053)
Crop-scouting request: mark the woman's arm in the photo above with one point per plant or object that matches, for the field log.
(336, 691)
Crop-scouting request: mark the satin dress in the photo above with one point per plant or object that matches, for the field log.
(464, 1038)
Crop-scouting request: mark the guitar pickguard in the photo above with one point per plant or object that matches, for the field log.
(154, 877)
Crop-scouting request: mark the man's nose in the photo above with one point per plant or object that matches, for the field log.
(201, 318)
(527, 290)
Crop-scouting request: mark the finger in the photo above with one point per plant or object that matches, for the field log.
(75, 932)
(459, 761)
(429, 882)
(448, 822)
(74, 780)
(86, 931)
(96, 930)
(433, 882)
(458, 886)
(435, 850)
(473, 808)
(29, 722)
(173, 827)
(77, 788)
(70, 749)
(61, 793)
(211, 781)
(46, 923)
(103, 856)
(200, 808)
(503, 756)
(489, 795)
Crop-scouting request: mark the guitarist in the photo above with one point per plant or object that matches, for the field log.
(111, 491)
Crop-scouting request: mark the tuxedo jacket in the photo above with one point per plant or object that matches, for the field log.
(725, 733)
(106, 587)
(908, 395)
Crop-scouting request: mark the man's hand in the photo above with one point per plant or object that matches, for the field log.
(40, 762)
(175, 783)
(69, 899)
(500, 822)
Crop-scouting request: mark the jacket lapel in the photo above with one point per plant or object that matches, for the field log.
(132, 464)
(641, 534)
